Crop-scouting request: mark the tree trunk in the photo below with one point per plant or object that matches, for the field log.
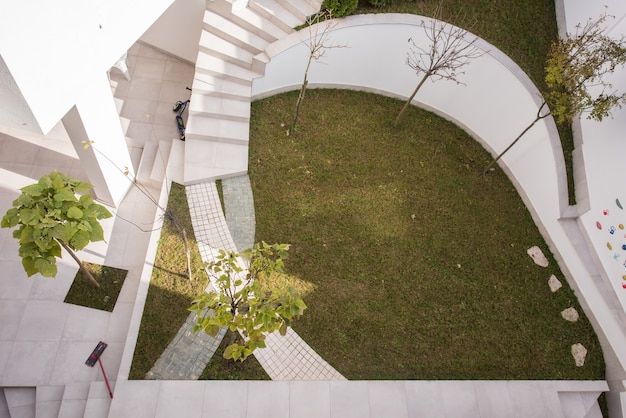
(183, 234)
(537, 119)
(81, 265)
(410, 99)
(305, 82)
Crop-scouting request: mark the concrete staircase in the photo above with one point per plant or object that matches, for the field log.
(234, 33)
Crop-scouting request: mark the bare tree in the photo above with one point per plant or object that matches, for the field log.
(575, 77)
(318, 44)
(448, 52)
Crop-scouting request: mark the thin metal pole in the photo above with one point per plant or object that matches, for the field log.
(105, 378)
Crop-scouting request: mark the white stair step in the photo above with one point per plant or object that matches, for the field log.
(125, 124)
(260, 25)
(217, 85)
(226, 29)
(222, 48)
(144, 172)
(203, 127)
(160, 162)
(21, 401)
(276, 13)
(4, 408)
(211, 65)
(225, 108)
(98, 400)
(176, 162)
(207, 160)
(48, 401)
(74, 400)
(301, 8)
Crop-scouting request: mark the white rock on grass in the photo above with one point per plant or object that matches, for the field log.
(537, 256)
(554, 283)
(570, 314)
(579, 352)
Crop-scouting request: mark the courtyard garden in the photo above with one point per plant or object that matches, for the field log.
(419, 261)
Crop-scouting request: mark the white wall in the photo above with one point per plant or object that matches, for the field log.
(178, 30)
(53, 48)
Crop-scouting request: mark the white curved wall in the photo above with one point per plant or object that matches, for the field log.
(496, 103)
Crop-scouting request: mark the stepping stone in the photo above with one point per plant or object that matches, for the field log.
(537, 256)
(570, 314)
(554, 283)
(579, 352)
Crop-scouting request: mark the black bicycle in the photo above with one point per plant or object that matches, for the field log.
(180, 107)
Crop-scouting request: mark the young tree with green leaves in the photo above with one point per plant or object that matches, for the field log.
(50, 217)
(244, 301)
(449, 50)
(575, 70)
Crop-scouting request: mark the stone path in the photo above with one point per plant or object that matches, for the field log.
(187, 355)
(284, 358)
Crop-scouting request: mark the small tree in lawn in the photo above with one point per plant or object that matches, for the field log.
(575, 70)
(243, 301)
(448, 52)
(318, 45)
(50, 216)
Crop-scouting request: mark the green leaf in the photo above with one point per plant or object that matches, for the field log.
(29, 216)
(283, 329)
(46, 267)
(74, 212)
(33, 189)
(79, 240)
(65, 195)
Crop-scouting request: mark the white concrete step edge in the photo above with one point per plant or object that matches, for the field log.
(4, 408)
(224, 49)
(160, 161)
(301, 8)
(74, 400)
(98, 400)
(211, 160)
(144, 172)
(48, 401)
(276, 13)
(211, 65)
(225, 108)
(21, 401)
(217, 129)
(258, 24)
(176, 163)
(226, 29)
(218, 86)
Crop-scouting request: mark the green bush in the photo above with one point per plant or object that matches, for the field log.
(380, 3)
(340, 8)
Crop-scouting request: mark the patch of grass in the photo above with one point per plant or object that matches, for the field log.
(221, 369)
(83, 293)
(171, 293)
(418, 260)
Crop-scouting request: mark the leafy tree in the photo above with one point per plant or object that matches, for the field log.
(340, 8)
(244, 300)
(449, 51)
(317, 44)
(575, 77)
(50, 216)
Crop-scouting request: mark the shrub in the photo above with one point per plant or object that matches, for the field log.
(340, 8)
(380, 3)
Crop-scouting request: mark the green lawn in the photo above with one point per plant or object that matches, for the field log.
(419, 260)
